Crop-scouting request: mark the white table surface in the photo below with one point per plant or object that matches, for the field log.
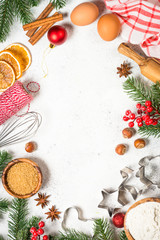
(82, 103)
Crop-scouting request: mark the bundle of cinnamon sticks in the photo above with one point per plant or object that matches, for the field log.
(36, 30)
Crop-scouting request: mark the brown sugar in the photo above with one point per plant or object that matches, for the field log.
(22, 178)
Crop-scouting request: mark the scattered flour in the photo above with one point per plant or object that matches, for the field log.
(143, 221)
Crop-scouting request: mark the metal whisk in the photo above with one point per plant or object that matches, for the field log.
(20, 129)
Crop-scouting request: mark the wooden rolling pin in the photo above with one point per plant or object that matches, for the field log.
(150, 67)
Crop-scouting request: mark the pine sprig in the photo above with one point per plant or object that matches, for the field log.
(25, 232)
(5, 157)
(33, 3)
(17, 217)
(123, 236)
(4, 204)
(59, 3)
(137, 90)
(155, 88)
(6, 18)
(72, 235)
(15, 8)
(150, 130)
(22, 11)
(102, 230)
(33, 222)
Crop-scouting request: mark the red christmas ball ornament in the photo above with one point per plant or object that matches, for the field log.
(118, 220)
(57, 35)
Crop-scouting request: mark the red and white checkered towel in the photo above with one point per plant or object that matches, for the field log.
(140, 22)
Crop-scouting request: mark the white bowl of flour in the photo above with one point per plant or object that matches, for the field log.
(142, 220)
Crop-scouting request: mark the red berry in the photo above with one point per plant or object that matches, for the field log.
(138, 120)
(140, 124)
(131, 124)
(146, 117)
(40, 231)
(125, 118)
(45, 237)
(32, 230)
(128, 112)
(132, 116)
(155, 122)
(138, 105)
(35, 234)
(149, 109)
(143, 108)
(150, 121)
(41, 224)
(33, 238)
(118, 220)
(148, 103)
(147, 122)
(139, 111)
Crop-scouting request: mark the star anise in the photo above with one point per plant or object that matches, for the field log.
(42, 200)
(53, 214)
(124, 70)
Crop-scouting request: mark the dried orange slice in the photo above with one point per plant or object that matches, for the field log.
(22, 53)
(10, 58)
(7, 76)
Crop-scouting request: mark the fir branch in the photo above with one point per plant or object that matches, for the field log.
(150, 130)
(123, 236)
(5, 157)
(51, 237)
(4, 204)
(25, 232)
(33, 222)
(137, 90)
(59, 3)
(6, 18)
(102, 230)
(72, 235)
(33, 3)
(155, 88)
(18, 213)
(22, 11)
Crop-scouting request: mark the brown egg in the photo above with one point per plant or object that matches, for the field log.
(84, 14)
(109, 27)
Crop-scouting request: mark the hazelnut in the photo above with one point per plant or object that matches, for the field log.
(127, 133)
(30, 147)
(139, 143)
(120, 149)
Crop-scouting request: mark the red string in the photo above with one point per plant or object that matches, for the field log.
(30, 90)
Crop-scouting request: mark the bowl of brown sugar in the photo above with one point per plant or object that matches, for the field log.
(22, 178)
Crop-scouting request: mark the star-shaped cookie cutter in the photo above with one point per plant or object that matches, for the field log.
(123, 188)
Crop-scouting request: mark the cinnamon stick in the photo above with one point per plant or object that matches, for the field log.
(35, 38)
(42, 22)
(43, 14)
